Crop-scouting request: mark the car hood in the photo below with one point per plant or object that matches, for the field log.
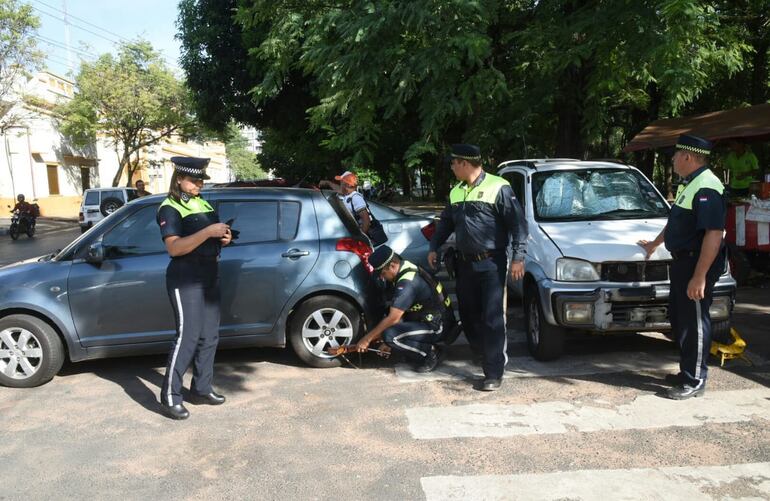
(599, 241)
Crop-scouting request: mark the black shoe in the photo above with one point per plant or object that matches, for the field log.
(490, 384)
(210, 399)
(177, 411)
(431, 361)
(674, 379)
(685, 391)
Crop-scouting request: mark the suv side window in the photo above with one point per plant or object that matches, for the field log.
(256, 221)
(517, 183)
(137, 234)
(113, 194)
(92, 198)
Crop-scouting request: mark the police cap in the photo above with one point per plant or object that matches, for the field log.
(381, 256)
(695, 144)
(466, 152)
(191, 166)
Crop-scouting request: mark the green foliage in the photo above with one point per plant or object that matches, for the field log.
(132, 98)
(243, 162)
(386, 85)
(18, 54)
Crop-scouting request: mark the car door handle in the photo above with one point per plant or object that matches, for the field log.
(295, 253)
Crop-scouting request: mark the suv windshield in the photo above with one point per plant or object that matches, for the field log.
(595, 194)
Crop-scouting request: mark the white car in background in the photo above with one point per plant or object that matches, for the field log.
(583, 269)
(99, 203)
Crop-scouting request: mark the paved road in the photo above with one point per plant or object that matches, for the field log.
(589, 426)
(50, 236)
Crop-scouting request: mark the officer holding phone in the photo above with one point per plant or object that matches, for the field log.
(193, 235)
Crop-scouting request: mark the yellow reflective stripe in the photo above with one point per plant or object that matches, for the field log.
(705, 179)
(196, 205)
(485, 192)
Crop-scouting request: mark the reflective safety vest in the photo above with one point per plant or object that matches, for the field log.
(195, 205)
(686, 193)
(485, 192)
(431, 312)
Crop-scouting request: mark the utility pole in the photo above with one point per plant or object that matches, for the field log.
(70, 67)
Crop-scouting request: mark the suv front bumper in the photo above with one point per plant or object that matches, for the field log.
(606, 306)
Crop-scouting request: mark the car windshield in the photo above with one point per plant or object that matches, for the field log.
(595, 194)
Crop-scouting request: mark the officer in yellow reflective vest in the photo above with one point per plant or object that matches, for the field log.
(193, 235)
(693, 235)
(488, 222)
(420, 315)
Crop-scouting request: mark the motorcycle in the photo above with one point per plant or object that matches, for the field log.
(22, 223)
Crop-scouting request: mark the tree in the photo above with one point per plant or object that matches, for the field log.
(243, 162)
(133, 99)
(18, 55)
(388, 84)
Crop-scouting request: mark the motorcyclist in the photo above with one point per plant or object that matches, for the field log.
(24, 208)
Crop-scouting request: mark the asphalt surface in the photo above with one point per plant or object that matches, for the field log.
(588, 426)
(50, 236)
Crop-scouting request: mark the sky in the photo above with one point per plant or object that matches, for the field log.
(96, 25)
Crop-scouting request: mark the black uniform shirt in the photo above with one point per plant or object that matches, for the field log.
(183, 219)
(409, 292)
(707, 211)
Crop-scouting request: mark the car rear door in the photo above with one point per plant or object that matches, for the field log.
(276, 248)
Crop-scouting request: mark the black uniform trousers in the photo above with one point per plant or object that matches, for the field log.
(690, 320)
(481, 296)
(196, 310)
(412, 340)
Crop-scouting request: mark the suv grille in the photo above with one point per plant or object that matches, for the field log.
(635, 271)
(640, 312)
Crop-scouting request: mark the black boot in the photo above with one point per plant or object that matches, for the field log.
(430, 362)
(210, 399)
(685, 391)
(177, 411)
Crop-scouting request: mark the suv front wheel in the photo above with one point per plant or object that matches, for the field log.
(545, 341)
(321, 323)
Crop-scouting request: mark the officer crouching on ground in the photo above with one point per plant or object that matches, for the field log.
(419, 313)
(693, 235)
(193, 235)
(487, 220)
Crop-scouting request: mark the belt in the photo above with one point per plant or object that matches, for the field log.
(682, 254)
(478, 256)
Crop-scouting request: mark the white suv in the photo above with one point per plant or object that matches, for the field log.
(99, 203)
(584, 270)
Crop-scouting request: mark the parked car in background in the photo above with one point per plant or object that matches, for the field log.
(99, 203)
(296, 275)
(584, 270)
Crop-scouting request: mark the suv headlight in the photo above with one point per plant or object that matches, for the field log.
(575, 270)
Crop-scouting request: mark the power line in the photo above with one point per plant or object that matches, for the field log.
(82, 20)
(60, 45)
(76, 26)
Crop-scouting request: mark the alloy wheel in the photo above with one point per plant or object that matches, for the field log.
(326, 328)
(21, 354)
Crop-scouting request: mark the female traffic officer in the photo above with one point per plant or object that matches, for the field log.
(193, 236)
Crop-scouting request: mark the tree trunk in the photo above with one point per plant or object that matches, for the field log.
(569, 111)
(125, 159)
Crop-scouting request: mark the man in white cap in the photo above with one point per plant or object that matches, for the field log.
(352, 199)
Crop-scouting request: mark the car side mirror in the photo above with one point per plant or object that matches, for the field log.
(95, 254)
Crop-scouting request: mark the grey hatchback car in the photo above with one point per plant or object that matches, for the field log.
(296, 275)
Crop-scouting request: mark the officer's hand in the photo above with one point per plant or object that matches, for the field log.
(362, 345)
(696, 288)
(649, 247)
(432, 258)
(225, 240)
(517, 270)
(384, 350)
(217, 230)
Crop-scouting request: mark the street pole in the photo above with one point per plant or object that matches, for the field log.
(10, 164)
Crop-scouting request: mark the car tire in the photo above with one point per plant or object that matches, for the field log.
(321, 323)
(34, 363)
(110, 205)
(544, 341)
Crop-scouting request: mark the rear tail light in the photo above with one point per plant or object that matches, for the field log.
(359, 248)
(81, 217)
(429, 230)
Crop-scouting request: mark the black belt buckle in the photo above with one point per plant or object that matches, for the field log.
(475, 257)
